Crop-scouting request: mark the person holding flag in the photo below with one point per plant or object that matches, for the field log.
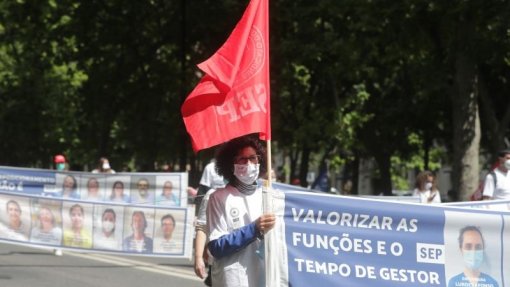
(232, 100)
(235, 220)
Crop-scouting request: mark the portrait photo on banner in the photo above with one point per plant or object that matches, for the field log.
(15, 221)
(142, 189)
(46, 217)
(108, 223)
(138, 230)
(92, 187)
(169, 231)
(169, 190)
(77, 224)
(473, 246)
(118, 188)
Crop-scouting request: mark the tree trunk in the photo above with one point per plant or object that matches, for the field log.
(466, 128)
(384, 165)
(303, 167)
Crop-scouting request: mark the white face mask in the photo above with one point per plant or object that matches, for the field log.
(428, 186)
(106, 165)
(108, 226)
(246, 173)
(507, 164)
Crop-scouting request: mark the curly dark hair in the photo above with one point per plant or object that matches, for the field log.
(229, 150)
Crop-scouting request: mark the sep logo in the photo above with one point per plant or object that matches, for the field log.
(234, 212)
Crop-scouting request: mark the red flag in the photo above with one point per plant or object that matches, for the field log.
(232, 99)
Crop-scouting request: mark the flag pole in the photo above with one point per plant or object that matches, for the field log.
(270, 274)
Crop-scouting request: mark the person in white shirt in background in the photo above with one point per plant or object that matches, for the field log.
(426, 189)
(103, 166)
(209, 182)
(498, 188)
(60, 165)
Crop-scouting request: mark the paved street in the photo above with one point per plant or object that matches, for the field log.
(24, 266)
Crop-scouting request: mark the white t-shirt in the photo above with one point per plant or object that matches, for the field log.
(425, 196)
(210, 178)
(502, 189)
(227, 210)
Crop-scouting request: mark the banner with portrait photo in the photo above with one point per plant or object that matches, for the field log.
(135, 213)
(329, 240)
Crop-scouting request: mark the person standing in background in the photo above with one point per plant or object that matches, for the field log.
(210, 179)
(209, 182)
(60, 162)
(426, 189)
(103, 166)
(60, 165)
(497, 182)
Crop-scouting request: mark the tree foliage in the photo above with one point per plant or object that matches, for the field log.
(402, 83)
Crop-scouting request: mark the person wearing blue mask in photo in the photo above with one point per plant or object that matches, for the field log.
(472, 247)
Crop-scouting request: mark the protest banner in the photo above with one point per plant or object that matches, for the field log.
(327, 240)
(502, 205)
(135, 213)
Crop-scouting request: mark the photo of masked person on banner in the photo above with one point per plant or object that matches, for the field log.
(46, 222)
(472, 246)
(15, 224)
(480, 256)
(235, 220)
(169, 235)
(137, 222)
(78, 225)
(108, 227)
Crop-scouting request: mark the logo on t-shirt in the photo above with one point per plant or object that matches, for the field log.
(234, 212)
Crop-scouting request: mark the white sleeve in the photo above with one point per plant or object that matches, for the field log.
(216, 221)
(206, 178)
(437, 197)
(202, 210)
(488, 186)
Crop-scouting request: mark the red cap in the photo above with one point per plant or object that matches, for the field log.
(59, 159)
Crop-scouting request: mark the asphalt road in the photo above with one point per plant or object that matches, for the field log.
(22, 266)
